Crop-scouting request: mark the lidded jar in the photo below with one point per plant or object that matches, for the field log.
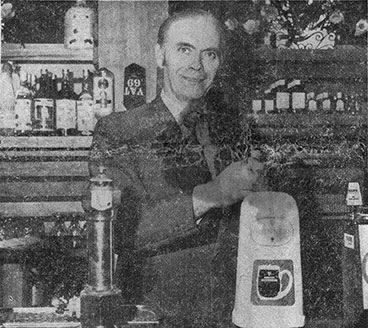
(80, 22)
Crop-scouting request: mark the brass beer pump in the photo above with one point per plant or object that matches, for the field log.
(102, 303)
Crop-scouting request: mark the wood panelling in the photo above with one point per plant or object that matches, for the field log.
(131, 22)
(40, 176)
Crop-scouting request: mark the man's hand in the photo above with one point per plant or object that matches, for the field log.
(229, 187)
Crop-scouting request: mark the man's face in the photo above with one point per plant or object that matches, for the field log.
(190, 57)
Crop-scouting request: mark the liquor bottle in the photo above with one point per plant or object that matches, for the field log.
(75, 231)
(7, 96)
(339, 103)
(103, 92)
(43, 111)
(311, 102)
(86, 119)
(257, 103)
(269, 101)
(296, 89)
(319, 99)
(282, 96)
(23, 106)
(66, 111)
(326, 102)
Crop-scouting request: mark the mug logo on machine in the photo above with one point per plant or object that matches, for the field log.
(273, 283)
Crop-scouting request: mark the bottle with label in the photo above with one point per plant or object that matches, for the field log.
(296, 89)
(43, 111)
(282, 96)
(75, 231)
(86, 119)
(257, 103)
(339, 103)
(7, 97)
(103, 92)
(326, 103)
(23, 105)
(66, 111)
(269, 101)
(311, 102)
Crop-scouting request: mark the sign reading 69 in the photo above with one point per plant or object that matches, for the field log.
(134, 86)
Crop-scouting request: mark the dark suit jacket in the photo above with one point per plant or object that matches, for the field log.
(156, 167)
(156, 164)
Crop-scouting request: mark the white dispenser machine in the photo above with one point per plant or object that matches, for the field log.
(269, 279)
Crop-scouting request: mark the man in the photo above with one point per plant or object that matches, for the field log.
(163, 158)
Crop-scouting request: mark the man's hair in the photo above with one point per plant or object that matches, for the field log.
(190, 13)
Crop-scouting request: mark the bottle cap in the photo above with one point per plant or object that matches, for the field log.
(339, 95)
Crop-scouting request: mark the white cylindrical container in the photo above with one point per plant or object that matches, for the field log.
(79, 30)
(269, 280)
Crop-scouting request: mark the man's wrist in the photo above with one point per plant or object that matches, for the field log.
(206, 197)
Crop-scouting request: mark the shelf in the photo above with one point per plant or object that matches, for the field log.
(343, 53)
(44, 52)
(45, 142)
(309, 119)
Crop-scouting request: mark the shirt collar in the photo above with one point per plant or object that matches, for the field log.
(176, 108)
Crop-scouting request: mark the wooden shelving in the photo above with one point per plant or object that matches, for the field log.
(45, 142)
(309, 119)
(343, 53)
(339, 64)
(45, 53)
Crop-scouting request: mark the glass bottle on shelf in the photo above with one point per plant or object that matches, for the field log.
(296, 89)
(326, 102)
(257, 103)
(282, 96)
(103, 92)
(23, 105)
(311, 102)
(339, 103)
(269, 102)
(66, 111)
(75, 231)
(86, 119)
(43, 112)
(319, 99)
(59, 230)
(7, 96)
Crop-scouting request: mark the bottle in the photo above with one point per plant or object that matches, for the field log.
(79, 26)
(257, 103)
(75, 231)
(7, 96)
(269, 101)
(339, 103)
(86, 119)
(296, 89)
(103, 92)
(23, 105)
(66, 111)
(43, 112)
(326, 102)
(311, 102)
(282, 96)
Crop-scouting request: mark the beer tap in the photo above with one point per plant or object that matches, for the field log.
(102, 304)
